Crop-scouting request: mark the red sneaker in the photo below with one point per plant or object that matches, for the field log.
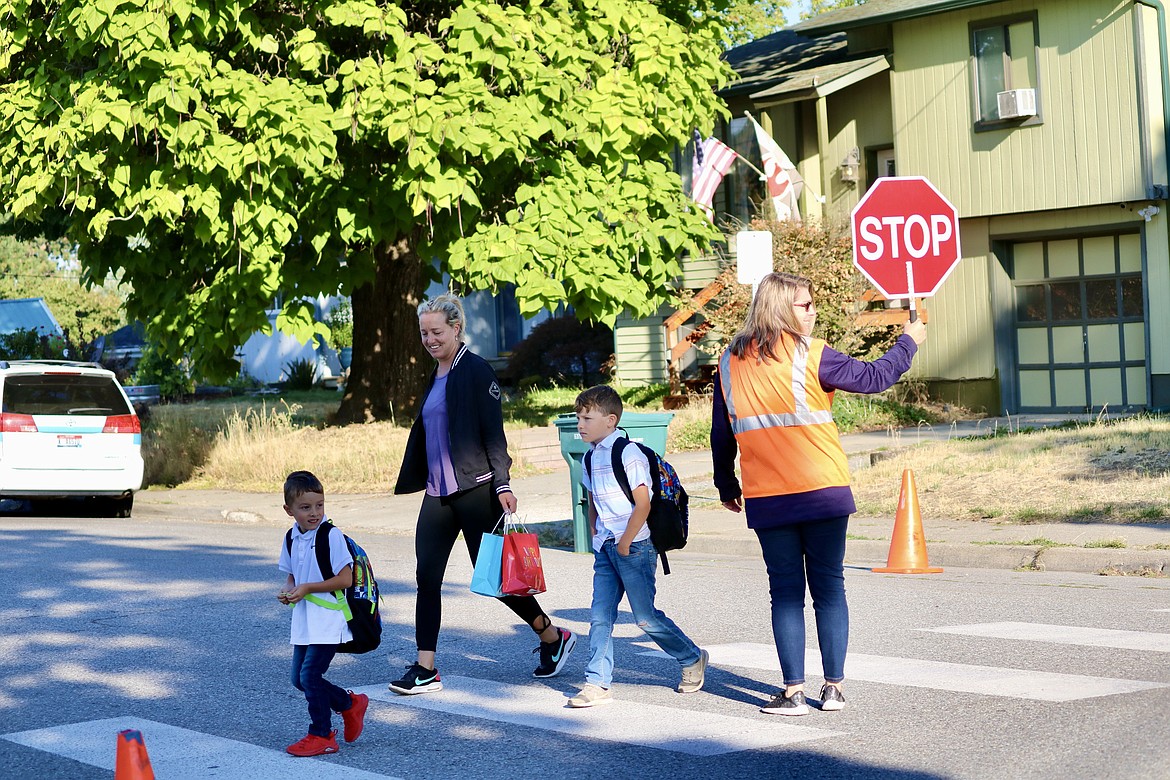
(312, 745)
(355, 716)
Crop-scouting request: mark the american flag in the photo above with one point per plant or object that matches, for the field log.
(784, 183)
(713, 159)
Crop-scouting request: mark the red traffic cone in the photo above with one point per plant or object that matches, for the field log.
(132, 763)
(908, 544)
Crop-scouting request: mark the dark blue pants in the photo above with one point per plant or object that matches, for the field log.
(815, 548)
(309, 664)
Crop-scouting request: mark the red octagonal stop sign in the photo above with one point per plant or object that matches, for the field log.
(905, 232)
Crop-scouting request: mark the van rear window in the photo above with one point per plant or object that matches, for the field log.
(63, 394)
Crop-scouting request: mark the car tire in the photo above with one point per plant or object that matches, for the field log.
(121, 507)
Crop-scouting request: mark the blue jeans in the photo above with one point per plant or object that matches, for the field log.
(815, 547)
(309, 664)
(633, 576)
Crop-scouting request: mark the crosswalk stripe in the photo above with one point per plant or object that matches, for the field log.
(181, 754)
(649, 725)
(1064, 635)
(938, 675)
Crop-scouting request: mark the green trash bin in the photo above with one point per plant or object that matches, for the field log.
(649, 428)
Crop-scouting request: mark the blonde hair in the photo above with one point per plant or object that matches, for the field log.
(450, 307)
(770, 316)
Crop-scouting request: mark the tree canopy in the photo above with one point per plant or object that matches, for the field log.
(224, 153)
(38, 267)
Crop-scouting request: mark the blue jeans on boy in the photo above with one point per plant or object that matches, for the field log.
(309, 664)
(818, 548)
(632, 576)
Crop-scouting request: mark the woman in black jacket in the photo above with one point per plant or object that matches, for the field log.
(458, 454)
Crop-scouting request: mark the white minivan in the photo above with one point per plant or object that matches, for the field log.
(67, 430)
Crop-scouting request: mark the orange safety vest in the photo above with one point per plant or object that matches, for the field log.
(783, 422)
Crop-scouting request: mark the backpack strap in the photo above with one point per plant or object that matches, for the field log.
(324, 563)
(623, 479)
(619, 468)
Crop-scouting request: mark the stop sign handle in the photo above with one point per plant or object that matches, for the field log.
(910, 290)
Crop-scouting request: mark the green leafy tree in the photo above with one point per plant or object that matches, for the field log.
(746, 20)
(42, 268)
(816, 7)
(223, 154)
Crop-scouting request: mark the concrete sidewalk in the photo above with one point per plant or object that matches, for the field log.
(545, 499)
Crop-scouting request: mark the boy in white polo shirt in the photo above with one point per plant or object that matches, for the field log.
(624, 558)
(317, 630)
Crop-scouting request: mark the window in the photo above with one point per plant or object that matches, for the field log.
(1005, 76)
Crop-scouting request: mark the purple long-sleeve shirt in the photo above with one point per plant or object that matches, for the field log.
(837, 372)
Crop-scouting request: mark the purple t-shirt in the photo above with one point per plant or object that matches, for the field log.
(440, 472)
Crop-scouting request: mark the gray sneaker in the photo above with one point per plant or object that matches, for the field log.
(694, 675)
(590, 696)
(832, 700)
(783, 704)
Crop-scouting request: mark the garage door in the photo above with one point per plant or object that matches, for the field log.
(1080, 324)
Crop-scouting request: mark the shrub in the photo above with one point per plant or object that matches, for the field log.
(28, 344)
(300, 374)
(824, 254)
(155, 368)
(564, 351)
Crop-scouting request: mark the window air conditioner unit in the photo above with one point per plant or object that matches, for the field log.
(1017, 103)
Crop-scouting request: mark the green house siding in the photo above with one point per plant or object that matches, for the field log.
(1087, 98)
(640, 350)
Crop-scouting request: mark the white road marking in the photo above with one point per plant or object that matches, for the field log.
(1064, 635)
(181, 754)
(648, 725)
(937, 675)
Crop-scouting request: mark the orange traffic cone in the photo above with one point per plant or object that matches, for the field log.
(132, 763)
(908, 544)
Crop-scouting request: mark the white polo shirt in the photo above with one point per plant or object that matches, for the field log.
(613, 508)
(313, 624)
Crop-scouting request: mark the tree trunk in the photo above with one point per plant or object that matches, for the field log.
(390, 366)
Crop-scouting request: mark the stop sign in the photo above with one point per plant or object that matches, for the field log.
(905, 233)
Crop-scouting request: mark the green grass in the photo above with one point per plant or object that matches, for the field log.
(870, 412)
(1114, 544)
(1039, 541)
(536, 408)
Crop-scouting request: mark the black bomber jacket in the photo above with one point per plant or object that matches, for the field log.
(479, 451)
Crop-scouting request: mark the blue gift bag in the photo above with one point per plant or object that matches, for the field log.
(485, 580)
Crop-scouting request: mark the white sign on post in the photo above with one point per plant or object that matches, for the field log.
(753, 256)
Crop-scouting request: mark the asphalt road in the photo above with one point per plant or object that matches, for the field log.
(173, 628)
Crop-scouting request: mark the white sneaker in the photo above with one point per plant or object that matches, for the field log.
(591, 695)
(694, 675)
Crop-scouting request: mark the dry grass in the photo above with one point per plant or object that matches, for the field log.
(256, 449)
(1102, 472)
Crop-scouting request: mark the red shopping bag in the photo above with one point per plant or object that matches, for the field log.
(522, 573)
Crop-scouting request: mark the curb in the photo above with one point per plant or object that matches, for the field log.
(869, 553)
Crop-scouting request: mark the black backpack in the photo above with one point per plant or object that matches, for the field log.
(360, 603)
(669, 502)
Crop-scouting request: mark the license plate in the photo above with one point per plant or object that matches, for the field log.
(68, 440)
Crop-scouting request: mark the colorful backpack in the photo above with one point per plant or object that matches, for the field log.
(669, 503)
(358, 602)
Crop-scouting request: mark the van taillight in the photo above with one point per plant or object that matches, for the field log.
(122, 423)
(17, 423)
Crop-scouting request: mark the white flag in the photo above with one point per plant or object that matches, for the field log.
(784, 182)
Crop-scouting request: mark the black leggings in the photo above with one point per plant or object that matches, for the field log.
(474, 512)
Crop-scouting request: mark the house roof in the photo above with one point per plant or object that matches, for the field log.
(27, 314)
(786, 65)
(878, 12)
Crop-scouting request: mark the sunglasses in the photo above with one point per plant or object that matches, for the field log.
(807, 306)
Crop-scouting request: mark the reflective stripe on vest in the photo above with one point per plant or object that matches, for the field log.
(801, 416)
